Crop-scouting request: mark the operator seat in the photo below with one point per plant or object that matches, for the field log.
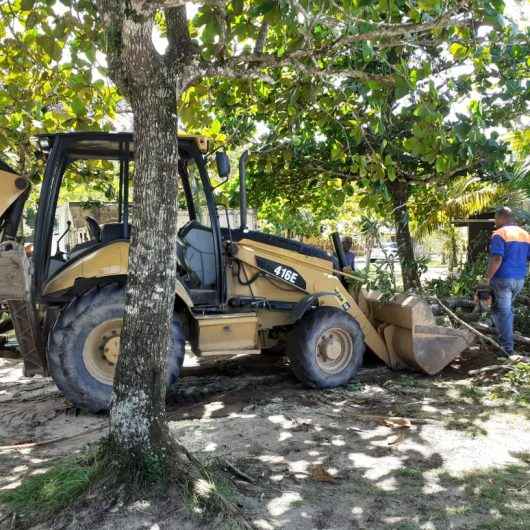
(93, 228)
(112, 231)
(196, 254)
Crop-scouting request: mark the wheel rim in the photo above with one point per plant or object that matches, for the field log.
(334, 350)
(101, 350)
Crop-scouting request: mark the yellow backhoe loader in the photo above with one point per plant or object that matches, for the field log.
(237, 289)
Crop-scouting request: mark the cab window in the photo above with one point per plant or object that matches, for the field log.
(198, 194)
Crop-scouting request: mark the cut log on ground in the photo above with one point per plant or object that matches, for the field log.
(471, 328)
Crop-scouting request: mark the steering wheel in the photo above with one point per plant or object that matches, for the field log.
(93, 228)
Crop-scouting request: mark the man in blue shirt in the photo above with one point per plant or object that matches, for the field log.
(507, 270)
(347, 243)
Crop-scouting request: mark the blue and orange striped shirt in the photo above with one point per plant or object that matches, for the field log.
(513, 244)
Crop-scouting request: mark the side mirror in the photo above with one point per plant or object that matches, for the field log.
(223, 164)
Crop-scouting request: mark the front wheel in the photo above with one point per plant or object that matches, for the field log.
(84, 344)
(326, 348)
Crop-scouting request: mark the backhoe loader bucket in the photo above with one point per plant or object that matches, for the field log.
(411, 335)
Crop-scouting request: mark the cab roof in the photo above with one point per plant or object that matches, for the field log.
(108, 145)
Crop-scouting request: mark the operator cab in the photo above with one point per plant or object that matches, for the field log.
(106, 161)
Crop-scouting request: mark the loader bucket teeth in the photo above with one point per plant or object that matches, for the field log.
(412, 337)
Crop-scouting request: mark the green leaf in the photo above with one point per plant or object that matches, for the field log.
(368, 51)
(261, 8)
(215, 127)
(458, 51)
(337, 152)
(77, 106)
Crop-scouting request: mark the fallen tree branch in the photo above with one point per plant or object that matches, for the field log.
(470, 328)
(517, 337)
(491, 368)
(52, 441)
(237, 472)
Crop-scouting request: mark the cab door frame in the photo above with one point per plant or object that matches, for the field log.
(197, 157)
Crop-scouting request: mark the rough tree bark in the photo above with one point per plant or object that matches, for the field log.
(409, 268)
(137, 421)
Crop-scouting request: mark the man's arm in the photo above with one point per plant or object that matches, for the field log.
(497, 245)
(493, 266)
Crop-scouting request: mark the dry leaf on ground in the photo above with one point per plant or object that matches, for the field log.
(318, 472)
(398, 423)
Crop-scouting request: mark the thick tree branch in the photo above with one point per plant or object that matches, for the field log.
(223, 21)
(194, 73)
(182, 3)
(246, 64)
(262, 38)
(178, 35)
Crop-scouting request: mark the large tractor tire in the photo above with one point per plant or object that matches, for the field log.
(326, 348)
(84, 344)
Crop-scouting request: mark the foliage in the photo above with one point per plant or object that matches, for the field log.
(279, 217)
(50, 79)
(384, 279)
(436, 207)
(463, 283)
(521, 322)
(324, 139)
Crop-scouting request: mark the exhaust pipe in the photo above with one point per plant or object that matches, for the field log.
(243, 190)
(339, 251)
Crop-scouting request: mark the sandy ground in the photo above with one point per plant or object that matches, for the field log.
(392, 450)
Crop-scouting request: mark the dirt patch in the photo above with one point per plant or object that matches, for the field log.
(391, 450)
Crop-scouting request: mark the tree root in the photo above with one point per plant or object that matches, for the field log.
(203, 486)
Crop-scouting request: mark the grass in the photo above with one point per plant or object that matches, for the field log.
(213, 499)
(49, 492)
(42, 496)
(409, 472)
(497, 498)
(472, 392)
(407, 381)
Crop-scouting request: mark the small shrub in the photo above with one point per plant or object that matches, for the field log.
(464, 283)
(521, 321)
(515, 384)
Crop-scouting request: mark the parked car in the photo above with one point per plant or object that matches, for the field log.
(388, 251)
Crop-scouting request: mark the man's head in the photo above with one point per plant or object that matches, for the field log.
(347, 243)
(504, 216)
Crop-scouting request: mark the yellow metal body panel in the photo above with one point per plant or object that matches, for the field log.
(235, 332)
(9, 191)
(110, 260)
(319, 277)
(231, 332)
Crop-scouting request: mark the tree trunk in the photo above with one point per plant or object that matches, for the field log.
(137, 420)
(409, 268)
(368, 247)
(453, 252)
(138, 411)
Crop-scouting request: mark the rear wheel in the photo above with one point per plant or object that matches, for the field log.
(326, 348)
(84, 344)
